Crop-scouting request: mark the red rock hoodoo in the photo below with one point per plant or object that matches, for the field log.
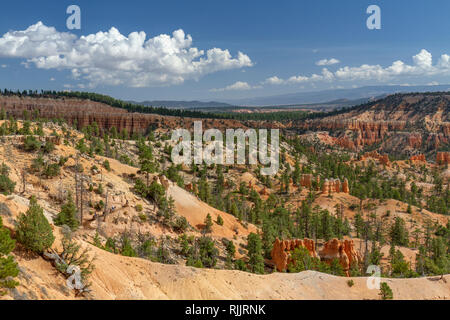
(335, 186)
(443, 158)
(343, 250)
(382, 159)
(282, 250)
(418, 158)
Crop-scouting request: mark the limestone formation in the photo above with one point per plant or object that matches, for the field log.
(86, 112)
(382, 159)
(326, 187)
(334, 186)
(443, 158)
(343, 250)
(418, 158)
(345, 187)
(334, 249)
(353, 255)
(282, 251)
(306, 180)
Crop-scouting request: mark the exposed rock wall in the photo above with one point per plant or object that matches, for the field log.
(331, 186)
(383, 159)
(306, 180)
(343, 250)
(443, 158)
(282, 250)
(418, 158)
(86, 112)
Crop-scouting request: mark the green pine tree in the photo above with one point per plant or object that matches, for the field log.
(208, 224)
(33, 229)
(8, 267)
(255, 253)
(68, 215)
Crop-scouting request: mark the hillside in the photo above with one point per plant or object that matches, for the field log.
(160, 231)
(405, 124)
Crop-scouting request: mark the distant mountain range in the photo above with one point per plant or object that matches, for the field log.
(173, 104)
(369, 92)
(333, 98)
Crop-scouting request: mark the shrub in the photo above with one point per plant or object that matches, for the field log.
(106, 165)
(156, 192)
(219, 220)
(8, 267)
(31, 144)
(6, 185)
(206, 256)
(240, 265)
(33, 229)
(62, 161)
(51, 170)
(138, 207)
(99, 189)
(75, 256)
(67, 216)
(99, 205)
(127, 248)
(350, 283)
(49, 147)
(208, 224)
(180, 224)
(38, 164)
(302, 260)
(386, 292)
(110, 245)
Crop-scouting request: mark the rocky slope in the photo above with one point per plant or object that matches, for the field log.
(86, 112)
(403, 122)
(406, 123)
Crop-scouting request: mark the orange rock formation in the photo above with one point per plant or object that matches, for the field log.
(443, 158)
(306, 180)
(335, 186)
(383, 159)
(282, 250)
(345, 187)
(343, 250)
(418, 158)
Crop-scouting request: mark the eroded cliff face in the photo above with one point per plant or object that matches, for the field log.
(86, 112)
(407, 124)
(443, 158)
(399, 122)
(342, 250)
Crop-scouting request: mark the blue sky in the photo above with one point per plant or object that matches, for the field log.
(281, 44)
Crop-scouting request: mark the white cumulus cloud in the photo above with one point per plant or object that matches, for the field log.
(114, 59)
(237, 86)
(327, 62)
(422, 67)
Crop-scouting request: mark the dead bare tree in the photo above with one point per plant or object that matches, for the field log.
(81, 199)
(77, 199)
(24, 180)
(105, 210)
